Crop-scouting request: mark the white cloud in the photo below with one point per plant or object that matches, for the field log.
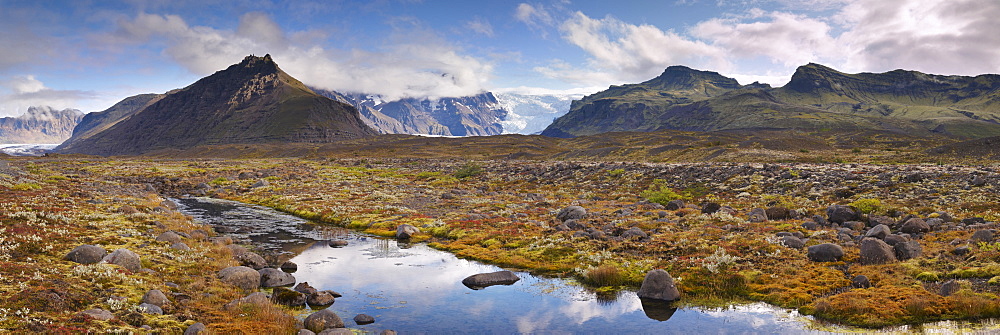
(533, 15)
(783, 38)
(419, 65)
(20, 92)
(480, 26)
(623, 52)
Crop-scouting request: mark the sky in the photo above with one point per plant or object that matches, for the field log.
(88, 54)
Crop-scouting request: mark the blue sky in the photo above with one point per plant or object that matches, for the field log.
(91, 54)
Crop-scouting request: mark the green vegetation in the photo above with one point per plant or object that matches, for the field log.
(468, 170)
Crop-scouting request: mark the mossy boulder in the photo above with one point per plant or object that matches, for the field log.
(322, 320)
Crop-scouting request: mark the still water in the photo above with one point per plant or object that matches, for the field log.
(412, 288)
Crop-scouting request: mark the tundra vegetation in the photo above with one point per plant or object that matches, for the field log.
(727, 232)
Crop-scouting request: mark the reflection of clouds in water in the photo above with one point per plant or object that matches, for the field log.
(755, 315)
(535, 321)
(582, 311)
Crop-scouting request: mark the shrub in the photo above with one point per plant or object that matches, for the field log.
(468, 170)
(867, 206)
(605, 275)
(616, 172)
(660, 193)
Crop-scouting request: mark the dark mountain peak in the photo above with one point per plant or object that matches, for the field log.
(679, 77)
(812, 76)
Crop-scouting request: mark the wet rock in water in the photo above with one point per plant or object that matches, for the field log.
(674, 205)
(757, 215)
(180, 246)
(792, 242)
(915, 226)
(169, 237)
(240, 276)
(571, 213)
(271, 277)
(97, 314)
(405, 231)
(879, 232)
(322, 298)
(634, 233)
(304, 287)
(195, 329)
(658, 285)
(875, 251)
(289, 266)
(861, 281)
(983, 235)
(151, 309)
(256, 298)
(322, 320)
(483, 280)
(155, 297)
(826, 252)
(124, 258)
(363, 319)
(284, 296)
(252, 260)
(336, 331)
(337, 243)
(840, 214)
(86, 254)
(907, 250)
(949, 288)
(777, 213)
(710, 208)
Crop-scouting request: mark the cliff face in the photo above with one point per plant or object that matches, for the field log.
(476, 115)
(250, 102)
(41, 124)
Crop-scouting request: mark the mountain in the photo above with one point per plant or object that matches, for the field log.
(816, 98)
(248, 103)
(530, 113)
(477, 115)
(41, 124)
(96, 122)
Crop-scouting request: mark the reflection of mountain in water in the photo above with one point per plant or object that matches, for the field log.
(382, 248)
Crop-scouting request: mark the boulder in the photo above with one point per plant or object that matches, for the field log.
(251, 259)
(287, 297)
(304, 287)
(658, 285)
(674, 205)
(826, 252)
(778, 213)
(861, 281)
(86, 254)
(337, 243)
(961, 251)
(875, 251)
(322, 320)
(322, 298)
(879, 232)
(840, 214)
(260, 183)
(915, 226)
(151, 309)
(757, 215)
(907, 250)
(483, 280)
(180, 246)
(155, 297)
(710, 207)
(405, 231)
(124, 258)
(256, 298)
(792, 242)
(895, 239)
(336, 331)
(949, 288)
(169, 237)
(571, 213)
(572, 224)
(271, 277)
(240, 276)
(363, 319)
(289, 266)
(98, 314)
(305, 332)
(195, 329)
(634, 233)
(983, 235)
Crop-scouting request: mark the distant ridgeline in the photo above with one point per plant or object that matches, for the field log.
(39, 125)
(817, 98)
(477, 115)
(250, 102)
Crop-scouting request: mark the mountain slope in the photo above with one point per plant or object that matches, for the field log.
(96, 122)
(817, 97)
(477, 115)
(41, 124)
(250, 102)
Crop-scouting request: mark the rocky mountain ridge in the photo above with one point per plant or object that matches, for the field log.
(477, 115)
(41, 124)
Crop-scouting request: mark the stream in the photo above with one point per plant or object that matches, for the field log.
(412, 288)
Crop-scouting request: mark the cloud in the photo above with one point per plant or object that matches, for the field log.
(481, 26)
(20, 92)
(533, 15)
(781, 37)
(623, 52)
(412, 63)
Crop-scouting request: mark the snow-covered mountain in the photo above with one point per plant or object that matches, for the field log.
(40, 124)
(477, 115)
(531, 112)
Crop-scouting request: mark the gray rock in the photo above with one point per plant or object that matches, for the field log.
(674, 205)
(289, 266)
(778, 213)
(978, 181)
(151, 309)
(98, 314)
(405, 231)
(363, 319)
(251, 259)
(169, 237)
(879, 232)
(634, 233)
(304, 287)
(271, 277)
(86, 254)
(757, 215)
(337, 243)
(322, 320)
(305, 332)
(155, 297)
(983, 235)
(195, 329)
(907, 250)
(571, 213)
(840, 214)
(895, 239)
(574, 225)
(287, 297)
(256, 298)
(961, 251)
(658, 285)
(124, 258)
(915, 226)
(949, 288)
(336, 331)
(260, 183)
(826, 252)
(710, 207)
(811, 225)
(240, 276)
(483, 280)
(792, 242)
(875, 251)
(861, 281)
(322, 298)
(180, 246)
